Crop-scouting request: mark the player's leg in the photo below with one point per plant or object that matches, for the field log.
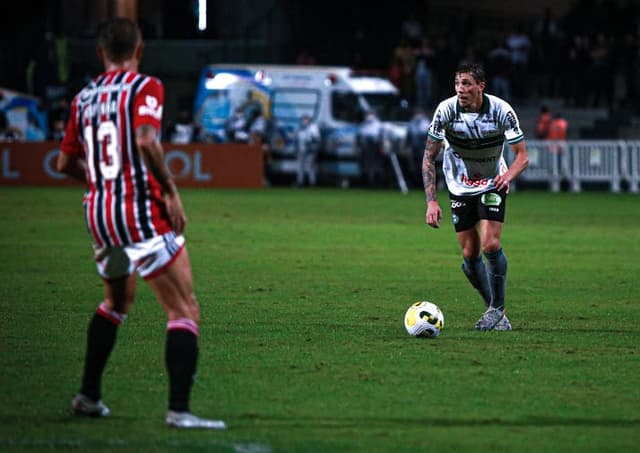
(473, 266)
(306, 168)
(300, 168)
(173, 288)
(103, 329)
(174, 291)
(476, 272)
(496, 260)
(491, 209)
(314, 172)
(469, 240)
(465, 217)
(497, 268)
(311, 168)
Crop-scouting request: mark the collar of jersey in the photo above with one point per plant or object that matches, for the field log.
(483, 109)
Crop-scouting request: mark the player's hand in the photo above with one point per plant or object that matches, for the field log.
(502, 182)
(434, 214)
(177, 217)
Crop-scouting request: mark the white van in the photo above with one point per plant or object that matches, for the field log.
(332, 96)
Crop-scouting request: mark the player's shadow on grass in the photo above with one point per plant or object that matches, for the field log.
(67, 418)
(574, 331)
(341, 422)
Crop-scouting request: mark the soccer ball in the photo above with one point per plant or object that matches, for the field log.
(424, 319)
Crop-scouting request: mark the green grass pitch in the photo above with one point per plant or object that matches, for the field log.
(302, 295)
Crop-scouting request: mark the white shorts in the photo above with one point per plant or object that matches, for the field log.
(149, 258)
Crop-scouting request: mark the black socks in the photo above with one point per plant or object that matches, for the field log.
(101, 337)
(181, 357)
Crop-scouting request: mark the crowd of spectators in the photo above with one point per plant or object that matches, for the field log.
(42, 112)
(551, 126)
(588, 57)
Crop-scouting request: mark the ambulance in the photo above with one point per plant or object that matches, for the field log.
(333, 96)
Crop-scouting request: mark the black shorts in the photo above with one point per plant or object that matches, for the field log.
(466, 211)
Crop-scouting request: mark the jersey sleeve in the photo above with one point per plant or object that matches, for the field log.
(71, 143)
(148, 104)
(437, 126)
(512, 132)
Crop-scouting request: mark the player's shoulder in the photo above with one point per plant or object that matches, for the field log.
(448, 103)
(498, 104)
(149, 89)
(446, 108)
(85, 93)
(154, 79)
(151, 80)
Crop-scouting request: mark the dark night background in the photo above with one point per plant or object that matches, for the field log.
(356, 33)
(336, 32)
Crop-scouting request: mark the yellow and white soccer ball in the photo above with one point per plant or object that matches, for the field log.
(424, 319)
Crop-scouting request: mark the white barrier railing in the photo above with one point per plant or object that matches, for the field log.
(595, 161)
(546, 161)
(631, 165)
(580, 162)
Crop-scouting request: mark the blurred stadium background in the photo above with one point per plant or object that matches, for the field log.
(269, 31)
(598, 95)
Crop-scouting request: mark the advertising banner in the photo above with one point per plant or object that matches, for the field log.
(192, 165)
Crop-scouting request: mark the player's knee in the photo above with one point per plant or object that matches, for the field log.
(491, 245)
(470, 251)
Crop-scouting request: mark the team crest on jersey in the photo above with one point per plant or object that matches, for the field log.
(438, 126)
(151, 107)
(491, 199)
(511, 118)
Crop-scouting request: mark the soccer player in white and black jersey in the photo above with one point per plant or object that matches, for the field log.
(474, 126)
(134, 216)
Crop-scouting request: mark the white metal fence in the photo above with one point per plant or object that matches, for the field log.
(577, 163)
(631, 165)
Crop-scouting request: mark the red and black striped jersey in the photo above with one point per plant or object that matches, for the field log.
(123, 203)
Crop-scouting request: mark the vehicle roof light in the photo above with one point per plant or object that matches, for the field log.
(220, 81)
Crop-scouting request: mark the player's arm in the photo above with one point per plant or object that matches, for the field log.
(431, 150)
(153, 154)
(519, 164)
(70, 159)
(72, 165)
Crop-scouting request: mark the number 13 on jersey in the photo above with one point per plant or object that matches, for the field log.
(108, 150)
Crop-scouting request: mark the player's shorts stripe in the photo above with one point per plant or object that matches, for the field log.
(170, 242)
(112, 315)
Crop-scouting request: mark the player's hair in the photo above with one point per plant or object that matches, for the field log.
(119, 38)
(475, 69)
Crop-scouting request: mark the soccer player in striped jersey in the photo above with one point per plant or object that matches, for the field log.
(475, 126)
(134, 216)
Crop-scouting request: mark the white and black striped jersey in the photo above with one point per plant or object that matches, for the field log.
(474, 142)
